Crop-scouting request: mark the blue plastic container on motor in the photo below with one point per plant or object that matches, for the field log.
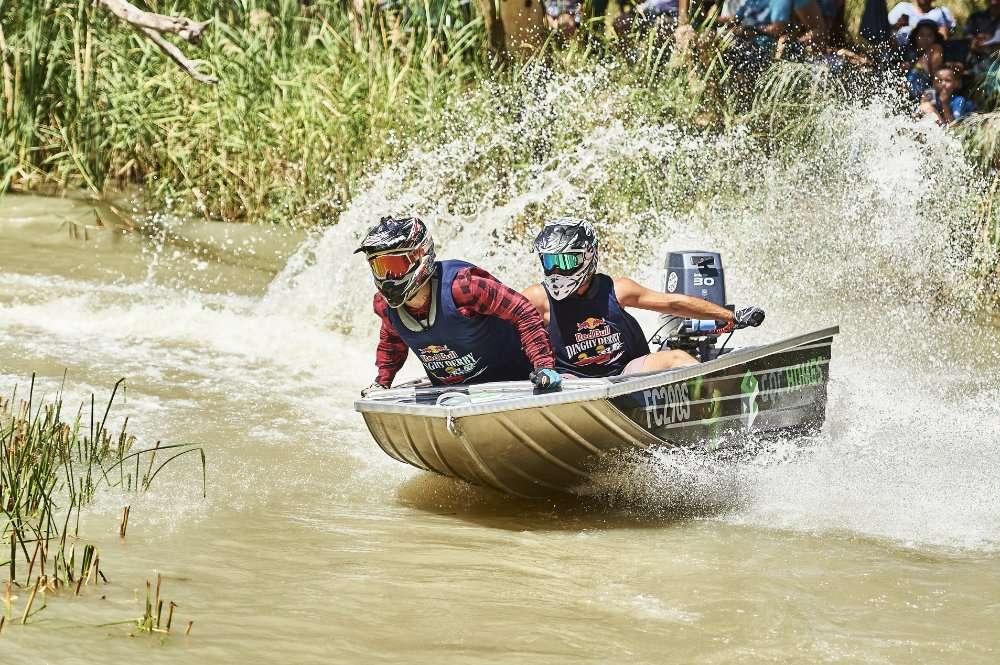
(696, 326)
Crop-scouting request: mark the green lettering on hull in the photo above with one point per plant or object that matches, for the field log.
(809, 373)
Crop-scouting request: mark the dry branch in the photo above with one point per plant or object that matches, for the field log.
(8, 78)
(190, 66)
(151, 25)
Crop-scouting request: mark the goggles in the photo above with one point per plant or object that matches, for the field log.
(552, 262)
(395, 265)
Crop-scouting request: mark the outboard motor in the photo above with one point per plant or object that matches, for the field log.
(699, 275)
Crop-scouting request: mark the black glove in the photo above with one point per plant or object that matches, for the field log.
(747, 317)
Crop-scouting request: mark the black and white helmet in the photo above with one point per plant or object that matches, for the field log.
(567, 248)
(400, 253)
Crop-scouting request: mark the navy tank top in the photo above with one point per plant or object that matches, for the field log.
(456, 349)
(592, 335)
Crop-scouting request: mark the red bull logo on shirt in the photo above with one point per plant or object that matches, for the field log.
(433, 349)
(596, 342)
(436, 353)
(590, 324)
(591, 329)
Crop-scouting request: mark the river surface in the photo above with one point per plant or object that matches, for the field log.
(879, 543)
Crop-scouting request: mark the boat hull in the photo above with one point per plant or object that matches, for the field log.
(527, 455)
(775, 394)
(533, 445)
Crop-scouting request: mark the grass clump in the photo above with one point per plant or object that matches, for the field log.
(50, 470)
(152, 619)
(307, 99)
(988, 242)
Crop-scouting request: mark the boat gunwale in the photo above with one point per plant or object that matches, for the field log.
(605, 388)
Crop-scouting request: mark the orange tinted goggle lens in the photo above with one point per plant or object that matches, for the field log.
(394, 265)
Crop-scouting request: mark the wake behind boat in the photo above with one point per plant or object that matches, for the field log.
(511, 437)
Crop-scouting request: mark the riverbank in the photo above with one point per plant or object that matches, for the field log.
(300, 113)
(310, 114)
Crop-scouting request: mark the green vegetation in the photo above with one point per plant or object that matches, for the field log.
(311, 103)
(49, 471)
(299, 114)
(988, 245)
(152, 619)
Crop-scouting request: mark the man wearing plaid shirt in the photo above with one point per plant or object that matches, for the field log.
(461, 322)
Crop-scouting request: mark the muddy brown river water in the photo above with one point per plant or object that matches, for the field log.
(878, 543)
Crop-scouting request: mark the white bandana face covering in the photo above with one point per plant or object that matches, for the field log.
(563, 286)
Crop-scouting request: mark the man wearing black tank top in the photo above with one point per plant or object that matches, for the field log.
(584, 311)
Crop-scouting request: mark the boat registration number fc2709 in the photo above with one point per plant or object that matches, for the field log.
(667, 404)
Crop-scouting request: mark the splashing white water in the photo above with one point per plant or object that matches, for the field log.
(862, 227)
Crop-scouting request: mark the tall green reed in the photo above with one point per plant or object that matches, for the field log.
(789, 97)
(301, 110)
(988, 245)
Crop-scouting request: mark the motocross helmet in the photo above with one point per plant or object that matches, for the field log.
(567, 248)
(400, 253)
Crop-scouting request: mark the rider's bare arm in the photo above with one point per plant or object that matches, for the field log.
(536, 296)
(632, 294)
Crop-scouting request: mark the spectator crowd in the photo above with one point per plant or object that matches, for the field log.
(941, 65)
(946, 70)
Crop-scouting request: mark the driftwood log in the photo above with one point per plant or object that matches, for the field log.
(153, 25)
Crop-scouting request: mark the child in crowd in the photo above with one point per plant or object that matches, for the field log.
(940, 100)
(924, 55)
(906, 16)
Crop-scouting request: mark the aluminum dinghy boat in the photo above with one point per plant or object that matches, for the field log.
(513, 439)
(509, 437)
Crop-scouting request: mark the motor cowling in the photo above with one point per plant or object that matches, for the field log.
(699, 275)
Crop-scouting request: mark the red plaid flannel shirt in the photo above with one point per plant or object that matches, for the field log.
(476, 293)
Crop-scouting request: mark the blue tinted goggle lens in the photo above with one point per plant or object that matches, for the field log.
(560, 261)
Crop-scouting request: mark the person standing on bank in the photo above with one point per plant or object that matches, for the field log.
(460, 321)
(905, 16)
(591, 333)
